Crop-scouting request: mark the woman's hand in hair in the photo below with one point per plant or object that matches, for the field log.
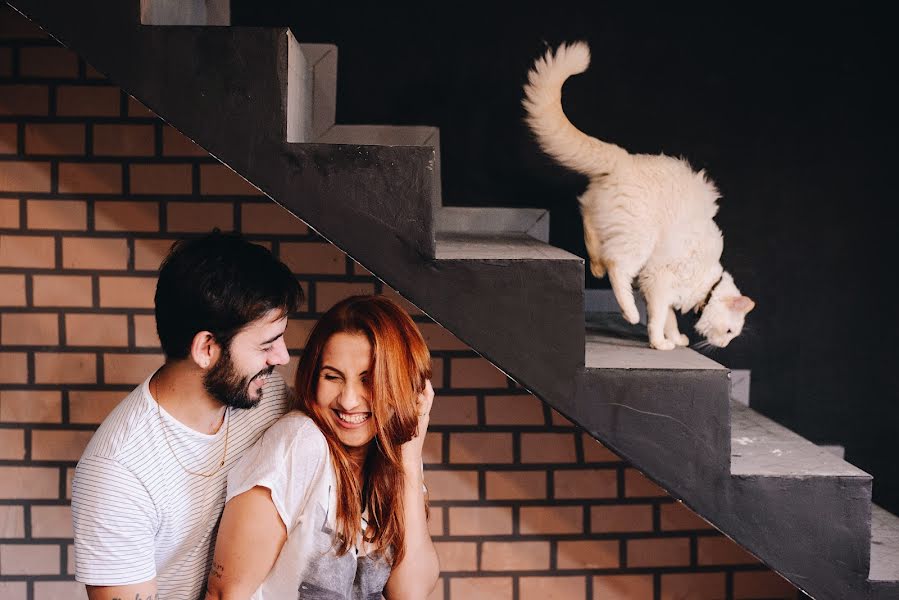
(412, 449)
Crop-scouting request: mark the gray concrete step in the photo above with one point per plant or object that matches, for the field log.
(761, 447)
(509, 247)
(884, 549)
(461, 219)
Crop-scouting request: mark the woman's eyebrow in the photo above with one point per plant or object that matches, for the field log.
(338, 371)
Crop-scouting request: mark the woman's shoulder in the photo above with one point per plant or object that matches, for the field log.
(297, 430)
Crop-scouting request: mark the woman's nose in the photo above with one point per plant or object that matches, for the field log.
(352, 396)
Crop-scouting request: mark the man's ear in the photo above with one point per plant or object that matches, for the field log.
(204, 349)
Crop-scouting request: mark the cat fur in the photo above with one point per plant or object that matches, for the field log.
(648, 217)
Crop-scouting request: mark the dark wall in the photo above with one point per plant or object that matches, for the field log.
(793, 114)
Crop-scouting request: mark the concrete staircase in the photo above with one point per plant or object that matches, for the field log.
(264, 105)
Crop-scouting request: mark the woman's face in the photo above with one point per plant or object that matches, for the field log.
(344, 388)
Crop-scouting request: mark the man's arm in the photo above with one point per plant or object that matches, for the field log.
(138, 591)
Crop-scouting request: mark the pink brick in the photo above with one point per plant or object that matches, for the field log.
(54, 590)
(552, 588)
(452, 485)
(148, 254)
(118, 215)
(480, 520)
(59, 139)
(13, 367)
(663, 552)
(547, 448)
(174, 143)
(90, 178)
(677, 517)
(457, 556)
(514, 556)
(94, 253)
(12, 290)
(48, 61)
(51, 521)
(91, 407)
(65, 367)
(548, 520)
(57, 214)
(588, 554)
(30, 406)
(59, 444)
(9, 213)
(514, 410)
(762, 584)
(29, 329)
(12, 444)
(586, 483)
(454, 410)
(29, 560)
(127, 292)
(12, 523)
(24, 100)
(27, 251)
(14, 590)
(87, 101)
(621, 518)
(199, 216)
(313, 258)
(516, 485)
(161, 179)
(486, 588)
(481, 448)
(24, 176)
(28, 483)
(62, 290)
(701, 586)
(623, 587)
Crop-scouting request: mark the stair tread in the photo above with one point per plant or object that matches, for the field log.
(884, 545)
(761, 447)
(613, 343)
(492, 246)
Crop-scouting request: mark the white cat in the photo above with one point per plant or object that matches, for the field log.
(645, 216)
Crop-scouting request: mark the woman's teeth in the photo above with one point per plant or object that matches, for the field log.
(354, 418)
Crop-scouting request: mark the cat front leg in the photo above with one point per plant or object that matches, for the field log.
(657, 307)
(672, 332)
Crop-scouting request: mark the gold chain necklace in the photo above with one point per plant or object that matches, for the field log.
(155, 392)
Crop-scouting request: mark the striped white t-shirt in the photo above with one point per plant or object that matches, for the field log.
(137, 513)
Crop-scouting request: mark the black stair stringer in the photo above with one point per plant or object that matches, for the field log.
(675, 425)
(227, 89)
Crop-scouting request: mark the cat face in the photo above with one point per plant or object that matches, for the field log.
(723, 317)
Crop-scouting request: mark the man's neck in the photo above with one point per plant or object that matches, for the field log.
(178, 388)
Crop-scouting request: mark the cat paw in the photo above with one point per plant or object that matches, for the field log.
(682, 340)
(631, 315)
(597, 268)
(663, 344)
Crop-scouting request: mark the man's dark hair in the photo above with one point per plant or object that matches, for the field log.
(219, 283)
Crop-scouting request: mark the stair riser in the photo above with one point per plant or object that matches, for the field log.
(682, 418)
(830, 515)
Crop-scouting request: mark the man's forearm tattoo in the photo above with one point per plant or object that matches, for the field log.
(217, 570)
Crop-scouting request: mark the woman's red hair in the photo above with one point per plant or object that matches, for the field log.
(400, 368)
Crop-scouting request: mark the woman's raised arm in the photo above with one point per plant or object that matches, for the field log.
(250, 538)
(416, 575)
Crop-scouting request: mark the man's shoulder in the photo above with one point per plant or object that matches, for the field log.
(122, 425)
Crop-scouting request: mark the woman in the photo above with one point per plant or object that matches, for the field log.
(330, 502)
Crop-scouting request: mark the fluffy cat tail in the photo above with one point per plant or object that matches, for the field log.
(543, 103)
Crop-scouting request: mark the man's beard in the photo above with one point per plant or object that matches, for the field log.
(227, 386)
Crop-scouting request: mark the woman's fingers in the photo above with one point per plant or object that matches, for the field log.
(426, 399)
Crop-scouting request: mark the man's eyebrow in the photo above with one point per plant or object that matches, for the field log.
(272, 339)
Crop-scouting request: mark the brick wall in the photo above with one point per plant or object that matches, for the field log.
(93, 189)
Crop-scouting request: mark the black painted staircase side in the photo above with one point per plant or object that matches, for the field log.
(515, 300)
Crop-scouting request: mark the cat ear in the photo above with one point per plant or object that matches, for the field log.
(741, 304)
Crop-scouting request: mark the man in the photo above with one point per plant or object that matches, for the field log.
(150, 487)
